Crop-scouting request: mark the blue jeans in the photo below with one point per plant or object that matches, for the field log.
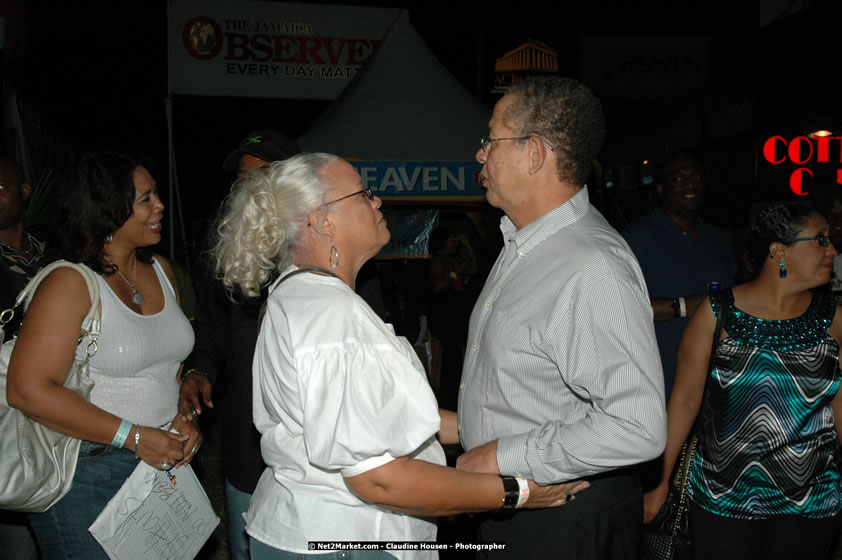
(61, 532)
(262, 551)
(237, 503)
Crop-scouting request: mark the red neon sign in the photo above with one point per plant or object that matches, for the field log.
(801, 151)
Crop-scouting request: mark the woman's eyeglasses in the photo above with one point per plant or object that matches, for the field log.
(821, 239)
(366, 191)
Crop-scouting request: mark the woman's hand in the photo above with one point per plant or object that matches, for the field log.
(191, 445)
(157, 446)
(653, 501)
(553, 495)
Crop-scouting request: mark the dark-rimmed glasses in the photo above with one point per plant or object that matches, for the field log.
(821, 239)
(366, 191)
(485, 141)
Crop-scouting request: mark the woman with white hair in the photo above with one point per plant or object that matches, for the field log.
(347, 418)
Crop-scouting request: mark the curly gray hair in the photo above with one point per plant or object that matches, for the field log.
(262, 219)
(566, 114)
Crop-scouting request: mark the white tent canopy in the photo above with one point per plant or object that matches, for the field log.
(403, 106)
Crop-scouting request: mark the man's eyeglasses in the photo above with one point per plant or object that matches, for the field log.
(821, 239)
(366, 191)
(485, 142)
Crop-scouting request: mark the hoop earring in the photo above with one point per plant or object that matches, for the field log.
(333, 256)
(109, 238)
(782, 270)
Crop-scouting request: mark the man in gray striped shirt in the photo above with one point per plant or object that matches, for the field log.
(562, 378)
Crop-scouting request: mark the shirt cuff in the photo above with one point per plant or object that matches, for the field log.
(511, 456)
(367, 465)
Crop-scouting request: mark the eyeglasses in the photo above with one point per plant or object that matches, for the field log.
(366, 191)
(485, 142)
(821, 239)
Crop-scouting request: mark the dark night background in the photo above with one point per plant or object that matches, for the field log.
(95, 73)
(90, 73)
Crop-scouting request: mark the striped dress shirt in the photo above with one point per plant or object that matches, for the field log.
(562, 365)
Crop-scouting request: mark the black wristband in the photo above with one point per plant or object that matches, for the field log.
(676, 307)
(511, 491)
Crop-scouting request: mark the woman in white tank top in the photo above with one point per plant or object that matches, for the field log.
(111, 216)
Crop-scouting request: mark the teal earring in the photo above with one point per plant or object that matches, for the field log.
(782, 271)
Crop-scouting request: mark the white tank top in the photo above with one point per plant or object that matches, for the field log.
(135, 368)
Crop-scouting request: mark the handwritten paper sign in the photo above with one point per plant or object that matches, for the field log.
(156, 514)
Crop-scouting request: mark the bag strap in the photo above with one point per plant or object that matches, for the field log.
(721, 320)
(313, 269)
(91, 324)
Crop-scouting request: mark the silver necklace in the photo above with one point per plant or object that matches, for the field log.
(136, 297)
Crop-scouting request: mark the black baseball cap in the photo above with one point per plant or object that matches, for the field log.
(268, 145)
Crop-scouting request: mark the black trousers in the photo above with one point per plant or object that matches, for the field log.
(602, 523)
(789, 537)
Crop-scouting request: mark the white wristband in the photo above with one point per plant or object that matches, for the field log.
(524, 491)
(682, 307)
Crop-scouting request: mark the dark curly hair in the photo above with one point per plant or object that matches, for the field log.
(98, 201)
(566, 114)
(776, 222)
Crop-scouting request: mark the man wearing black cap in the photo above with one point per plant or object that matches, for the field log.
(225, 338)
(258, 150)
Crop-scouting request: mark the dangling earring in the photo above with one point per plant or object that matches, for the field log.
(109, 238)
(782, 271)
(333, 256)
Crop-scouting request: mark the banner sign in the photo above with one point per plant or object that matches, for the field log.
(269, 49)
(644, 66)
(422, 180)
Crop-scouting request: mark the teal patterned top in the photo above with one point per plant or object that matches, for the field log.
(767, 442)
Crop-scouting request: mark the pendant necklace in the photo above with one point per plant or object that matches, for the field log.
(136, 297)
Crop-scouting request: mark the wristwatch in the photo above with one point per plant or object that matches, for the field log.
(512, 492)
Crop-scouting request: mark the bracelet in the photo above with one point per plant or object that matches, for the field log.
(511, 492)
(524, 491)
(682, 307)
(122, 434)
(191, 370)
(136, 440)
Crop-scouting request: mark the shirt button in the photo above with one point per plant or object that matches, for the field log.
(474, 347)
(488, 305)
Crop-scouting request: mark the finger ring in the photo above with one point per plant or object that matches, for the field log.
(568, 496)
(195, 449)
(166, 465)
(193, 410)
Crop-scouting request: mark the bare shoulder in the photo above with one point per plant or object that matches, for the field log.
(167, 267)
(836, 325)
(63, 293)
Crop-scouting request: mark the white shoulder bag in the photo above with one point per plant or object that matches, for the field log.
(37, 463)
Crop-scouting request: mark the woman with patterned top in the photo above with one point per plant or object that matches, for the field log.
(764, 482)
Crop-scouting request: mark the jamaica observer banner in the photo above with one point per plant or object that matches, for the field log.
(269, 49)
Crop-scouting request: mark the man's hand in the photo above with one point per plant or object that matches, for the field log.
(653, 501)
(189, 404)
(553, 495)
(482, 459)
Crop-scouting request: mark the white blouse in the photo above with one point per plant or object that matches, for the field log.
(336, 394)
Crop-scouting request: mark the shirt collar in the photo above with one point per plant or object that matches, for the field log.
(668, 223)
(556, 219)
